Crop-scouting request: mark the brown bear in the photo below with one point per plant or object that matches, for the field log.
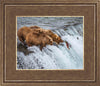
(38, 39)
(54, 36)
(22, 33)
(35, 35)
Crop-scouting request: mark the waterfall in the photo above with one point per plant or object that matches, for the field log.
(55, 56)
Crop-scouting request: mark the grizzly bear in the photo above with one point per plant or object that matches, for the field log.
(54, 36)
(35, 35)
(23, 31)
(38, 39)
(57, 39)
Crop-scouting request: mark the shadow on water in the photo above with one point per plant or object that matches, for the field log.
(23, 48)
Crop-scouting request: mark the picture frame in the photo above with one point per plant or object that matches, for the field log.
(66, 49)
(9, 76)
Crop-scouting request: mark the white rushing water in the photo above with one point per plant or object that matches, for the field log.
(53, 56)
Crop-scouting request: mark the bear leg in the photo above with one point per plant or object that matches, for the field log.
(42, 45)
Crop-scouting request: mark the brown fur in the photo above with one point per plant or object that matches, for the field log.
(34, 27)
(38, 39)
(54, 36)
(22, 33)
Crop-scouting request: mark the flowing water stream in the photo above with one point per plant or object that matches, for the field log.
(54, 56)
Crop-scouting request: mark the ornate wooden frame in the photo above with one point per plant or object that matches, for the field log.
(9, 76)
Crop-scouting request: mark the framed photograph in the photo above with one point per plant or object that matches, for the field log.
(36, 51)
(49, 43)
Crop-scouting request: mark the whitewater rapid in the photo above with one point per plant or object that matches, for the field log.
(55, 56)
